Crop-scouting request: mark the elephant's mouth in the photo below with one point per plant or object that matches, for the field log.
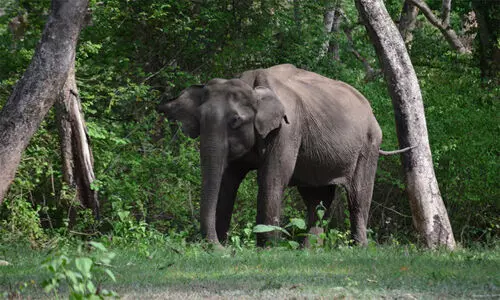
(236, 152)
(238, 147)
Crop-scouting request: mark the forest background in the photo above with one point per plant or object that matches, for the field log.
(132, 54)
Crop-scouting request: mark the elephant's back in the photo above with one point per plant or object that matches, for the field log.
(336, 124)
(324, 102)
(319, 103)
(313, 89)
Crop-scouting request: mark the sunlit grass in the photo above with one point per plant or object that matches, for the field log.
(277, 272)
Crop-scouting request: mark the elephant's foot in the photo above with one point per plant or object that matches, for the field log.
(314, 239)
(358, 240)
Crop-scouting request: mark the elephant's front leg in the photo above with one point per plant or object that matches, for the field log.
(231, 180)
(273, 177)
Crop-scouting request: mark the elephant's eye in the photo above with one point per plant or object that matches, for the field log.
(235, 121)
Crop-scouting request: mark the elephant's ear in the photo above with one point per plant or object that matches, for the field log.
(270, 111)
(185, 109)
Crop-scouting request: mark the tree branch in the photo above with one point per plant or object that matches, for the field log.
(370, 72)
(407, 22)
(448, 32)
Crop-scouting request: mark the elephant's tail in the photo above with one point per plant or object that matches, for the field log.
(386, 153)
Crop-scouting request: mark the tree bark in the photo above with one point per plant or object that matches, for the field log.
(488, 18)
(328, 19)
(76, 153)
(297, 17)
(449, 34)
(40, 85)
(407, 22)
(429, 213)
(445, 13)
(337, 20)
(332, 19)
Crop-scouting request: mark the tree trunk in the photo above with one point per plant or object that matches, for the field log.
(328, 19)
(445, 13)
(449, 34)
(428, 210)
(40, 85)
(76, 153)
(297, 17)
(407, 22)
(337, 20)
(332, 19)
(488, 20)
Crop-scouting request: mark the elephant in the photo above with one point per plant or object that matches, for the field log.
(296, 128)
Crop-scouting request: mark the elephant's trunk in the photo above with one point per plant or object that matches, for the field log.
(213, 153)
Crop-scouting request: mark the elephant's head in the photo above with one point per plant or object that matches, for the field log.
(229, 116)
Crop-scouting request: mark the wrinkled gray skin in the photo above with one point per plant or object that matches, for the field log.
(296, 128)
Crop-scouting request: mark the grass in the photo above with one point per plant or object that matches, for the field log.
(192, 272)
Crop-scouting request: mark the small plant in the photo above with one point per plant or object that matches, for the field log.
(245, 239)
(292, 230)
(337, 239)
(328, 237)
(320, 235)
(80, 273)
(297, 227)
(127, 230)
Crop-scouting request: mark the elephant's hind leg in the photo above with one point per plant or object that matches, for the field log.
(313, 197)
(360, 191)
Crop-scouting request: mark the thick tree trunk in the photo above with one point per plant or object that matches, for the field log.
(407, 22)
(40, 86)
(75, 149)
(429, 213)
(449, 34)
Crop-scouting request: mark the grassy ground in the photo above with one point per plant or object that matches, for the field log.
(374, 272)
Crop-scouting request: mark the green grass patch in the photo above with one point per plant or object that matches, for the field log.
(274, 273)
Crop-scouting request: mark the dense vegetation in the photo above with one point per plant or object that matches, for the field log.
(133, 53)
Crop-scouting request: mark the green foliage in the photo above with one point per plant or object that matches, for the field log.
(297, 223)
(22, 222)
(80, 273)
(246, 239)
